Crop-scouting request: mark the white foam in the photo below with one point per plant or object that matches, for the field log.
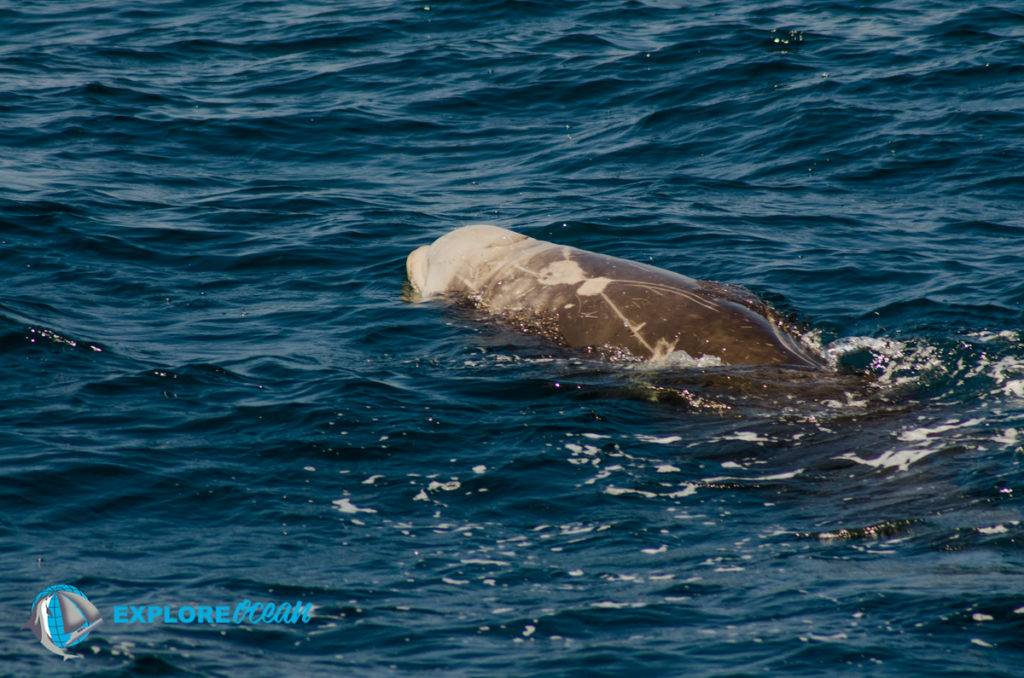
(1007, 437)
(687, 490)
(847, 345)
(924, 433)
(660, 360)
(450, 486)
(778, 476)
(345, 505)
(927, 441)
(850, 402)
(745, 436)
(484, 561)
(998, 529)
(895, 363)
(824, 638)
(684, 359)
(619, 491)
(901, 459)
(987, 337)
(574, 528)
(582, 449)
(665, 440)
(1004, 372)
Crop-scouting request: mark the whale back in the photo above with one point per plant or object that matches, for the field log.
(583, 299)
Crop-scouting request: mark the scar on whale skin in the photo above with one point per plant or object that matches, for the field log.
(585, 299)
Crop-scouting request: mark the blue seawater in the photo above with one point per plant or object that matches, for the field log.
(213, 391)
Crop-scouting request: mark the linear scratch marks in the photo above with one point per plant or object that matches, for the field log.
(516, 265)
(467, 283)
(556, 272)
(635, 329)
(666, 289)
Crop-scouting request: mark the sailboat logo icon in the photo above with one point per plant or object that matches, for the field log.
(61, 618)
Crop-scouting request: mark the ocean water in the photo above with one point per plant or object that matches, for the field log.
(214, 391)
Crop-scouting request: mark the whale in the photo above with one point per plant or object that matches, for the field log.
(601, 303)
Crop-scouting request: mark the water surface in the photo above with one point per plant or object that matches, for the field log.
(213, 390)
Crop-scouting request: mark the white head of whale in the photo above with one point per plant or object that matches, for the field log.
(461, 258)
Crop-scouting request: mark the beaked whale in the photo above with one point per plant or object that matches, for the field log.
(583, 299)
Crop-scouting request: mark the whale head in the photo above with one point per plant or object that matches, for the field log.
(458, 258)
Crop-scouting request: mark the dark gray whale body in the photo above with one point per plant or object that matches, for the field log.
(588, 300)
